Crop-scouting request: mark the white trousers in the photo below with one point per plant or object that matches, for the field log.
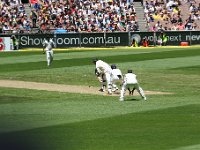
(131, 86)
(109, 83)
(102, 80)
(115, 83)
(49, 57)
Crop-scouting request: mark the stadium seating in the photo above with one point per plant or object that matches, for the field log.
(98, 16)
(173, 15)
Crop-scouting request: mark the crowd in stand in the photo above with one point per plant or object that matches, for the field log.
(175, 15)
(13, 17)
(87, 16)
(73, 16)
(97, 15)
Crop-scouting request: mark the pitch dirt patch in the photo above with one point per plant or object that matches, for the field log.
(63, 88)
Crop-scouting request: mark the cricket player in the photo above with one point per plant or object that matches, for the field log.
(131, 82)
(102, 79)
(105, 68)
(47, 46)
(116, 77)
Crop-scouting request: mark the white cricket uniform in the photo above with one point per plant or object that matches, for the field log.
(130, 81)
(116, 76)
(102, 79)
(116, 73)
(105, 68)
(49, 51)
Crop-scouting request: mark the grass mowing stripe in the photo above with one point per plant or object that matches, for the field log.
(83, 50)
(154, 130)
(30, 52)
(13, 99)
(166, 63)
(17, 53)
(109, 59)
(68, 55)
(188, 70)
(190, 147)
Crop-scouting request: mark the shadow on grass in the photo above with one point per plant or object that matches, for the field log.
(13, 99)
(132, 99)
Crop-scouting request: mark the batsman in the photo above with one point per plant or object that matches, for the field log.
(102, 79)
(104, 68)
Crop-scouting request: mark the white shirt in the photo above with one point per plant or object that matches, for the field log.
(130, 78)
(116, 73)
(170, 3)
(49, 45)
(103, 67)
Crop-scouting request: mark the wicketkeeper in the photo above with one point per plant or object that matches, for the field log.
(116, 77)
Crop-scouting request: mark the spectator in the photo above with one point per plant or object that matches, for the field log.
(134, 43)
(162, 39)
(6, 28)
(34, 17)
(14, 42)
(145, 42)
(181, 26)
(1, 28)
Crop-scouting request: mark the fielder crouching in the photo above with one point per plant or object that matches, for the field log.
(130, 82)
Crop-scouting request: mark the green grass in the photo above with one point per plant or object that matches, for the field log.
(32, 119)
(110, 59)
(189, 70)
(160, 129)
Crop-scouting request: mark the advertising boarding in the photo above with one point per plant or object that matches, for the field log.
(5, 44)
(111, 39)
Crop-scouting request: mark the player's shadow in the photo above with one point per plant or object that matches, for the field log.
(132, 99)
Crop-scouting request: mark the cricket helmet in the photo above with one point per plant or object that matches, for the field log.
(130, 71)
(113, 66)
(94, 60)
